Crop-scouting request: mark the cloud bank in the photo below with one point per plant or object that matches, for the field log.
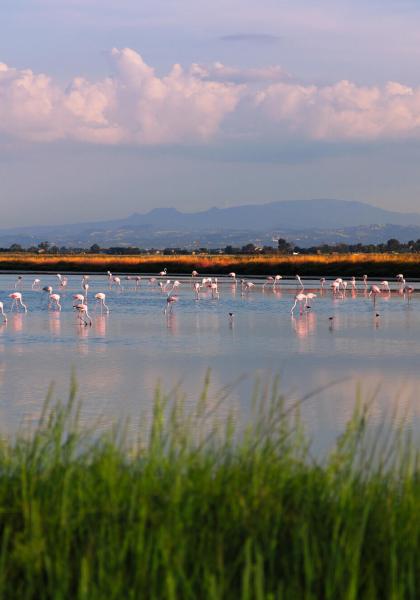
(136, 106)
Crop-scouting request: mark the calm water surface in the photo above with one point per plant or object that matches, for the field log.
(119, 360)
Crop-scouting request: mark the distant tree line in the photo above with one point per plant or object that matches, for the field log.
(283, 247)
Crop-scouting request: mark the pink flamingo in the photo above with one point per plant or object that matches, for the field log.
(322, 282)
(56, 299)
(408, 291)
(374, 291)
(36, 283)
(194, 274)
(301, 298)
(175, 285)
(299, 281)
(2, 313)
(16, 300)
(309, 296)
(247, 285)
(215, 289)
(232, 275)
(83, 314)
(268, 281)
(335, 286)
(170, 301)
(364, 279)
(197, 288)
(19, 281)
(385, 286)
(100, 297)
(163, 273)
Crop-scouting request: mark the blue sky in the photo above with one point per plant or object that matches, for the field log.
(267, 101)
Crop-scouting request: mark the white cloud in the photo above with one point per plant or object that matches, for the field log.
(343, 111)
(136, 106)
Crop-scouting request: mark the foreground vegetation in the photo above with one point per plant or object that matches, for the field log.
(194, 509)
(375, 265)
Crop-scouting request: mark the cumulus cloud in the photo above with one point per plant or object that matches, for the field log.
(136, 106)
(343, 111)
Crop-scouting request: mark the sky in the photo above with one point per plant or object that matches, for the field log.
(109, 107)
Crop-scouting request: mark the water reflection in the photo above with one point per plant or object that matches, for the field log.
(172, 323)
(120, 358)
(100, 325)
(54, 323)
(16, 321)
(304, 325)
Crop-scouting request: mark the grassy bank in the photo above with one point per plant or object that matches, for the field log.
(196, 511)
(375, 265)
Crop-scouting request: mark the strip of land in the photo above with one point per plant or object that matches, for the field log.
(374, 265)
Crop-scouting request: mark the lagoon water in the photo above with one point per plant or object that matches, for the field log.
(121, 358)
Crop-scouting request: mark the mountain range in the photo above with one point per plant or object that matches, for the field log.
(304, 222)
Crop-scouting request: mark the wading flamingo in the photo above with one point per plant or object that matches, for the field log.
(197, 288)
(100, 297)
(309, 296)
(16, 300)
(299, 298)
(374, 291)
(215, 290)
(269, 280)
(170, 301)
(365, 283)
(408, 291)
(35, 284)
(19, 281)
(78, 298)
(83, 315)
(55, 298)
(2, 313)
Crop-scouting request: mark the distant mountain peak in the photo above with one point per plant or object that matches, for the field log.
(245, 222)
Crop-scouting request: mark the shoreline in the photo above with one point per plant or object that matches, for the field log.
(376, 265)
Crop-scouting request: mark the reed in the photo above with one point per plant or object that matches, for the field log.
(381, 265)
(196, 508)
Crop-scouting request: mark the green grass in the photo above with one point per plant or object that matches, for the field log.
(196, 509)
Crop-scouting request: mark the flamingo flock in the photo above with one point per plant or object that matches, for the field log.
(204, 287)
